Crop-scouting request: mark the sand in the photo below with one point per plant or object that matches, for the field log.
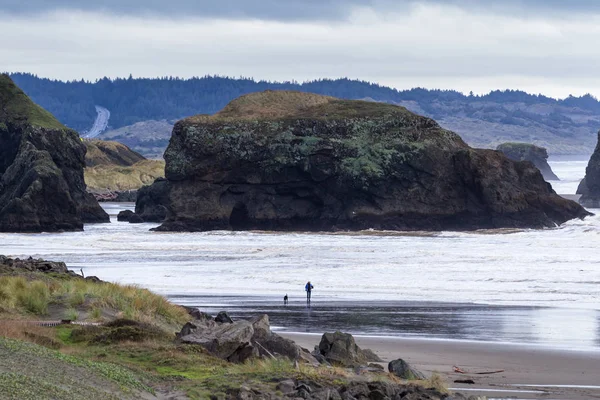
(530, 372)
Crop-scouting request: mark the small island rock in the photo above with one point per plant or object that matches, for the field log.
(538, 156)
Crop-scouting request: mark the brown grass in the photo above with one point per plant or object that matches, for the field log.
(115, 177)
(28, 332)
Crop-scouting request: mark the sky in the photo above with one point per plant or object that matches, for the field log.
(547, 47)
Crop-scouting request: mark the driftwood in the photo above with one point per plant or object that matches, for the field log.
(461, 371)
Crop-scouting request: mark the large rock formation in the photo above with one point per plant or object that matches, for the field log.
(538, 156)
(297, 161)
(41, 169)
(589, 188)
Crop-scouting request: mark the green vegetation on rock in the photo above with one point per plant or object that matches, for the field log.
(16, 107)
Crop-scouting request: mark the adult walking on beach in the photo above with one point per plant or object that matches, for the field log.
(309, 287)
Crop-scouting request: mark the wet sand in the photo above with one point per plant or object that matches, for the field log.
(530, 372)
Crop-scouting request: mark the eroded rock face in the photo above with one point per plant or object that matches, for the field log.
(538, 156)
(41, 169)
(296, 161)
(590, 186)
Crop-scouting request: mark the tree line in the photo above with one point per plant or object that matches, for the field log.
(131, 100)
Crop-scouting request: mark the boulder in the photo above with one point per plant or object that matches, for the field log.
(288, 161)
(536, 155)
(403, 370)
(262, 327)
(226, 341)
(41, 169)
(590, 186)
(197, 314)
(240, 340)
(125, 215)
(340, 349)
(223, 318)
(152, 201)
(136, 219)
(286, 386)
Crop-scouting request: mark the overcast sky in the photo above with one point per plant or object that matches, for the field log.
(547, 47)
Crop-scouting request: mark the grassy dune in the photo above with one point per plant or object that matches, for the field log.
(119, 178)
(132, 355)
(50, 297)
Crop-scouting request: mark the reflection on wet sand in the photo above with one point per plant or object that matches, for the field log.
(561, 328)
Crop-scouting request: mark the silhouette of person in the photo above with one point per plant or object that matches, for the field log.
(309, 287)
(285, 299)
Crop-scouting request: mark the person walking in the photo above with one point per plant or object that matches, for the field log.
(309, 287)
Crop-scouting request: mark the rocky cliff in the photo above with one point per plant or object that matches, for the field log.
(589, 188)
(297, 161)
(41, 169)
(538, 156)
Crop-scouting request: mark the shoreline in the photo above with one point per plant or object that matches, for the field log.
(525, 326)
(523, 345)
(529, 372)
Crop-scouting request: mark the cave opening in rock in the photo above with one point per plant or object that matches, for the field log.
(239, 220)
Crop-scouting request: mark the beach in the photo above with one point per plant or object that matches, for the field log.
(529, 371)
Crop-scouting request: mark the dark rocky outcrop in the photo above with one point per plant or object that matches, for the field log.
(153, 201)
(340, 349)
(17, 266)
(41, 169)
(240, 340)
(223, 317)
(124, 215)
(297, 161)
(538, 156)
(589, 188)
(135, 219)
(377, 390)
(403, 370)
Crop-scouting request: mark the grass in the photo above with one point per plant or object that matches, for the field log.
(16, 106)
(102, 152)
(283, 104)
(115, 177)
(29, 371)
(35, 297)
(123, 358)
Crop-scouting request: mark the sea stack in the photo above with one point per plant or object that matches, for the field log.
(589, 188)
(538, 156)
(41, 169)
(281, 160)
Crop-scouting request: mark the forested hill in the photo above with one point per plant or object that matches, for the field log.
(564, 126)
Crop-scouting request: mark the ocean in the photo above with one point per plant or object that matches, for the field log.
(519, 286)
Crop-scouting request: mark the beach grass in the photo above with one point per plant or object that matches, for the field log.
(134, 351)
(78, 298)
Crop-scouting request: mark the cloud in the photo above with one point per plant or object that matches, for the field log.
(288, 10)
(435, 45)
